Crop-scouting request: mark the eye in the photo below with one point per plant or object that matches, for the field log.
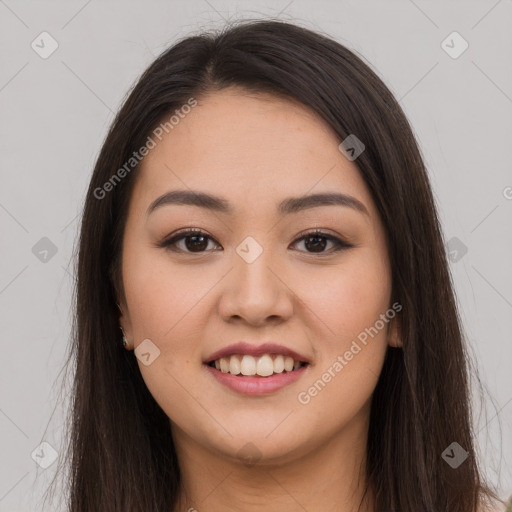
(317, 240)
(196, 241)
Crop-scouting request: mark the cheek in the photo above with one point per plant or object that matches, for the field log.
(165, 307)
(162, 298)
(349, 299)
(350, 303)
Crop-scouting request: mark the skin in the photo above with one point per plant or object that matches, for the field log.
(256, 150)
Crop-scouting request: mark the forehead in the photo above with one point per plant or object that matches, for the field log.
(252, 147)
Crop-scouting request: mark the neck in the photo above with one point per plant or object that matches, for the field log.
(327, 477)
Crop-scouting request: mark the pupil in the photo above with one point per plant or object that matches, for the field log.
(192, 246)
(315, 244)
(318, 243)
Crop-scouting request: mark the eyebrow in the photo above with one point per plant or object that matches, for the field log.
(285, 207)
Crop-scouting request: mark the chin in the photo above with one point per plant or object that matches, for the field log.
(255, 446)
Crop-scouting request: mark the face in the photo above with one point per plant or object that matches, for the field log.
(256, 272)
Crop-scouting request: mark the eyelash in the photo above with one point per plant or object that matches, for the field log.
(170, 243)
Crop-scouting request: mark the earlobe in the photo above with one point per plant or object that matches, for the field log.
(125, 326)
(125, 341)
(394, 334)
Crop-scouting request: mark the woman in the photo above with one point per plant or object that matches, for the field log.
(261, 237)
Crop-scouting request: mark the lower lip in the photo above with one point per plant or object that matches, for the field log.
(257, 385)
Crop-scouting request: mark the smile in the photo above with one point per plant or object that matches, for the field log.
(253, 369)
(263, 366)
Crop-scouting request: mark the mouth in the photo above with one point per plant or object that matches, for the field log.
(264, 366)
(256, 370)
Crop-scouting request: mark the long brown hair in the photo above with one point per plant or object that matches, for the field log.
(121, 454)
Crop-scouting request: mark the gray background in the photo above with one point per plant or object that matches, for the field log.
(54, 116)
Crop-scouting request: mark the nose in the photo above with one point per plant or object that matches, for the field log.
(256, 292)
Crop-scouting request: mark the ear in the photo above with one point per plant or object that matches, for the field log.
(125, 322)
(394, 332)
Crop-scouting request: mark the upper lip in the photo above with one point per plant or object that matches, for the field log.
(244, 348)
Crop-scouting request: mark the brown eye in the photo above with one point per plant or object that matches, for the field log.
(316, 241)
(196, 241)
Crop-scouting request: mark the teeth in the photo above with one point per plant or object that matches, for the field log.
(248, 365)
(288, 364)
(224, 365)
(279, 364)
(234, 365)
(263, 366)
